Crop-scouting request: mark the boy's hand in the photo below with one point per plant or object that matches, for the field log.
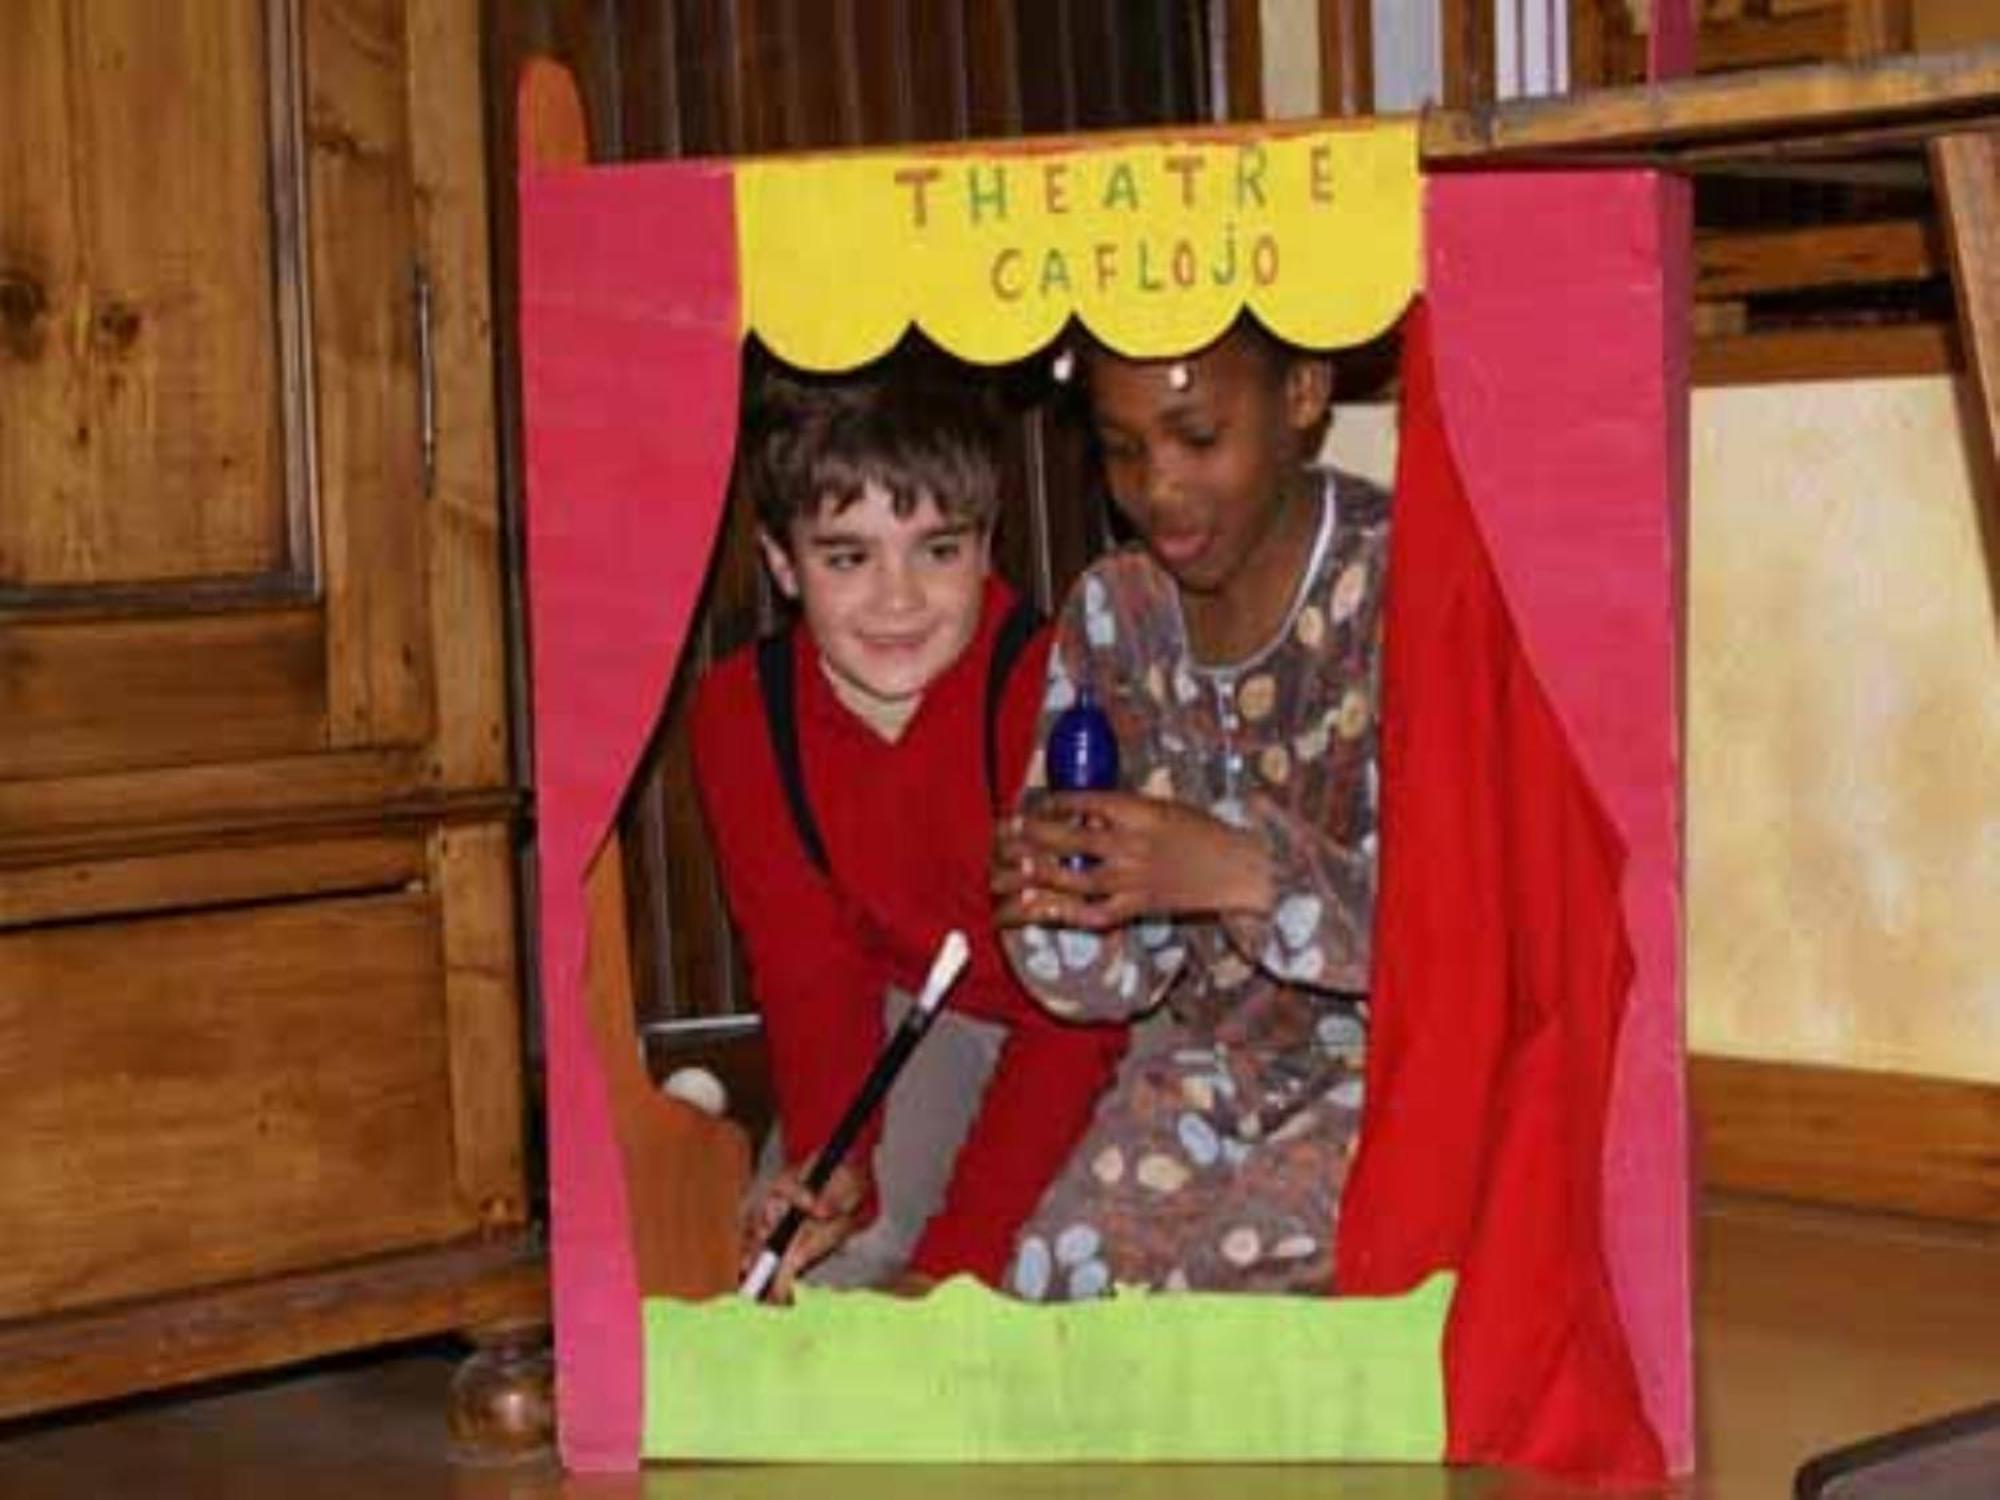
(1151, 857)
(830, 1220)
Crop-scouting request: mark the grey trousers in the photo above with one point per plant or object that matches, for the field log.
(927, 1117)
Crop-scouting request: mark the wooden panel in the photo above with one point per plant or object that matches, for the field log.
(138, 351)
(1097, 49)
(709, 74)
(820, 94)
(761, 32)
(1831, 1135)
(1939, 25)
(884, 92)
(937, 75)
(223, 874)
(363, 242)
(1046, 81)
(1346, 58)
(193, 1100)
(467, 618)
(1826, 354)
(1730, 265)
(994, 104)
(1878, 27)
(130, 693)
(474, 876)
(1243, 54)
(1966, 169)
(1594, 25)
(1810, 36)
(683, 955)
(648, 39)
(1161, 84)
(1745, 113)
(1465, 41)
(89, 1356)
(685, 1172)
(81, 815)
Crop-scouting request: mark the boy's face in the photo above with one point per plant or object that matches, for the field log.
(891, 601)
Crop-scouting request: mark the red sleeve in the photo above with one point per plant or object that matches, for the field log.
(817, 985)
(1037, 1106)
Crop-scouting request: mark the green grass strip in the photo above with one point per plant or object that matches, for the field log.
(966, 1376)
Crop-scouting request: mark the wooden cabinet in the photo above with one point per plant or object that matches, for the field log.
(260, 1069)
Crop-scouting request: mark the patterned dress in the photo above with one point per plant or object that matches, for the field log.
(1217, 1159)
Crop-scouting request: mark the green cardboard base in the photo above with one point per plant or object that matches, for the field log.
(967, 1376)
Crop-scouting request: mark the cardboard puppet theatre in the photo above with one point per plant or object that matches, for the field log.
(1513, 1247)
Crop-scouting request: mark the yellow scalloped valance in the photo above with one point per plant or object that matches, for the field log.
(1156, 243)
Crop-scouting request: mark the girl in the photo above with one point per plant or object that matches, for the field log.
(1231, 881)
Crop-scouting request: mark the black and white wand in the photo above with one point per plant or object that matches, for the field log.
(951, 956)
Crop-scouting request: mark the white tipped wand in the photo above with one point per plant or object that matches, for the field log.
(945, 968)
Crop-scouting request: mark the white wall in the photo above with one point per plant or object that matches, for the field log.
(1843, 732)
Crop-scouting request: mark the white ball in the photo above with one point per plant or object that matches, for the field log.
(699, 1087)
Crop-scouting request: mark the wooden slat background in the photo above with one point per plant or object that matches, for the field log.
(703, 77)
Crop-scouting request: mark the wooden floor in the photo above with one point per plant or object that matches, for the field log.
(1814, 1329)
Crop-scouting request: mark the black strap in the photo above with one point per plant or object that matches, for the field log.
(1022, 621)
(774, 677)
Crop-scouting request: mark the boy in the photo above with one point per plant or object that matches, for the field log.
(849, 772)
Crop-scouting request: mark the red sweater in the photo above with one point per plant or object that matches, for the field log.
(908, 828)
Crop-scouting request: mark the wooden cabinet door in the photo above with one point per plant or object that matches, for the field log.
(212, 508)
(258, 1003)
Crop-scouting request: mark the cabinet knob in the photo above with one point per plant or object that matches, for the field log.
(114, 327)
(24, 308)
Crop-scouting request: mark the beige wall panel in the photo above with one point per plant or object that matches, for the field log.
(1844, 733)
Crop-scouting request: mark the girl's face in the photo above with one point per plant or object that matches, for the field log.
(1204, 472)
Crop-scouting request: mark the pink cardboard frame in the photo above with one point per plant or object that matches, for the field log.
(1558, 303)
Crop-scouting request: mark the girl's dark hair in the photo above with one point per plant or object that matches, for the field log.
(1273, 353)
(808, 443)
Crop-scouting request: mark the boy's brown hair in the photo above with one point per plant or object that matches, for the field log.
(806, 443)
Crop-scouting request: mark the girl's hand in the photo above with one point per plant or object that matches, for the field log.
(830, 1220)
(1152, 857)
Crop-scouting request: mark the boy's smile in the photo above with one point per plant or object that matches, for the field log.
(891, 601)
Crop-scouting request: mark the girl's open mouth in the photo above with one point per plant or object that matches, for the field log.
(1181, 547)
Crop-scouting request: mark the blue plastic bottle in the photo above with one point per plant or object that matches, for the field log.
(1082, 755)
(1082, 750)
